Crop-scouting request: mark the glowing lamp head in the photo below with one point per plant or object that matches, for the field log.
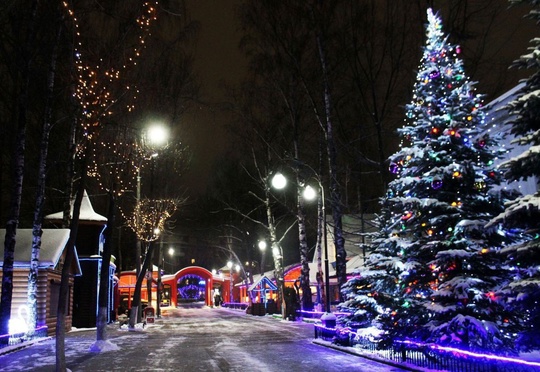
(279, 181)
(309, 193)
(157, 135)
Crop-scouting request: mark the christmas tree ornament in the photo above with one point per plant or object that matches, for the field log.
(436, 183)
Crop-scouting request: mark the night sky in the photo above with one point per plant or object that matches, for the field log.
(217, 60)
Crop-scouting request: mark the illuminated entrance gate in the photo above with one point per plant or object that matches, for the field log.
(191, 288)
(192, 283)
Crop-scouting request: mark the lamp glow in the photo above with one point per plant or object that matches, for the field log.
(279, 181)
(309, 193)
(157, 135)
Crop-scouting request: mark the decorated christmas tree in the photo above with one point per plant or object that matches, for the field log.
(523, 293)
(435, 268)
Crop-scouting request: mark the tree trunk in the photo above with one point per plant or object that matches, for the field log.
(104, 275)
(276, 254)
(335, 191)
(40, 191)
(64, 284)
(18, 175)
(159, 283)
(149, 274)
(133, 315)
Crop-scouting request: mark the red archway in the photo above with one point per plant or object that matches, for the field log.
(127, 281)
(206, 275)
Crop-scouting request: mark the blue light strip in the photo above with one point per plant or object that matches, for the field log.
(319, 312)
(445, 348)
(36, 330)
(470, 353)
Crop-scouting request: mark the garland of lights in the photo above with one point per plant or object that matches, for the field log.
(149, 217)
(114, 165)
(91, 91)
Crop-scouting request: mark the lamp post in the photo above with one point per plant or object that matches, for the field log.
(328, 319)
(262, 248)
(171, 254)
(154, 136)
(279, 181)
(309, 193)
(230, 265)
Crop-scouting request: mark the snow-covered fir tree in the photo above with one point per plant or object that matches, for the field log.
(523, 293)
(435, 269)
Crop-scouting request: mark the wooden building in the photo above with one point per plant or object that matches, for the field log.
(51, 261)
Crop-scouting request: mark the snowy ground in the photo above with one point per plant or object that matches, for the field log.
(196, 339)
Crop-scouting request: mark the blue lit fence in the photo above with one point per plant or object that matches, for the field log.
(428, 355)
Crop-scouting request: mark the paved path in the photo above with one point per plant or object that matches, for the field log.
(197, 339)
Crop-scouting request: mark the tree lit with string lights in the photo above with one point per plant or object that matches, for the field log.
(435, 268)
(523, 292)
(98, 88)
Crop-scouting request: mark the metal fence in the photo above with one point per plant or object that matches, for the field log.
(425, 356)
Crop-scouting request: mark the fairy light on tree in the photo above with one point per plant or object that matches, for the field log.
(522, 215)
(111, 164)
(98, 89)
(149, 215)
(148, 221)
(430, 274)
(95, 81)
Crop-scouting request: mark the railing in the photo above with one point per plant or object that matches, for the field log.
(427, 356)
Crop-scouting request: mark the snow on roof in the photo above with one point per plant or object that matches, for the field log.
(355, 263)
(504, 98)
(263, 283)
(87, 212)
(53, 242)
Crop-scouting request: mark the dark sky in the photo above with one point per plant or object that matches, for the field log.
(217, 60)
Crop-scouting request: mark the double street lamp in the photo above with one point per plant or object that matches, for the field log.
(279, 182)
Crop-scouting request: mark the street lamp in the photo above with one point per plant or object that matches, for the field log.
(171, 254)
(262, 247)
(230, 265)
(157, 135)
(279, 181)
(310, 194)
